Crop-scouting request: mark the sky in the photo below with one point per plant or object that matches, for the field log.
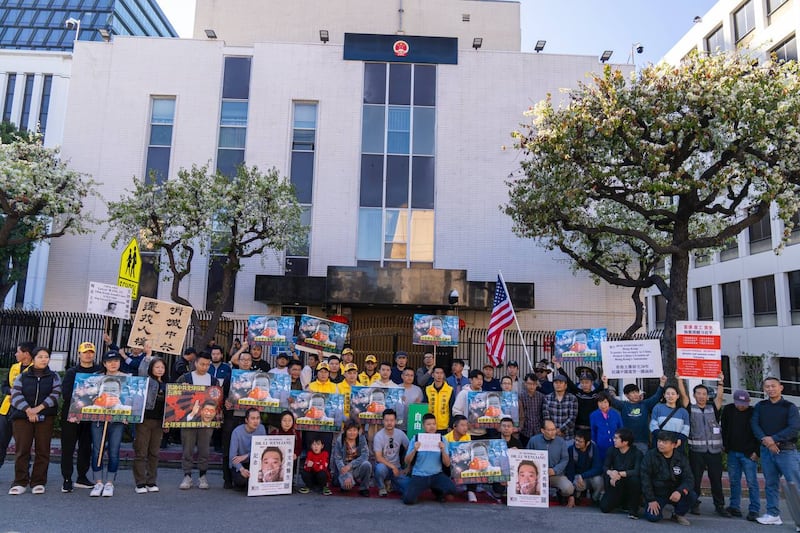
(584, 27)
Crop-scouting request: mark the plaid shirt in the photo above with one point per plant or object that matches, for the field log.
(562, 413)
(532, 410)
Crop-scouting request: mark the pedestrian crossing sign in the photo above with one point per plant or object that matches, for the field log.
(130, 268)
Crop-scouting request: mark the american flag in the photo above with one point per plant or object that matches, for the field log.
(502, 317)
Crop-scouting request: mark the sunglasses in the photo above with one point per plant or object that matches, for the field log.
(391, 443)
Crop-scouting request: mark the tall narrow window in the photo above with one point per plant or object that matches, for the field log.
(233, 115)
(27, 97)
(661, 311)
(787, 50)
(794, 296)
(705, 308)
(731, 305)
(396, 217)
(765, 310)
(760, 235)
(159, 145)
(715, 42)
(744, 20)
(304, 143)
(44, 107)
(11, 82)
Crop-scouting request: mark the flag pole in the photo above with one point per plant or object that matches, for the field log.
(519, 329)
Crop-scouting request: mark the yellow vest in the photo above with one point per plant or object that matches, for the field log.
(13, 372)
(439, 404)
(328, 386)
(345, 389)
(449, 438)
(365, 381)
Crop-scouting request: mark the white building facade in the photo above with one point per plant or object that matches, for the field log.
(753, 292)
(394, 141)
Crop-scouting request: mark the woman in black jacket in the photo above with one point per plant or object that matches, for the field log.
(148, 434)
(34, 399)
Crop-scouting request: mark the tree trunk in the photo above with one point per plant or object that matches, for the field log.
(677, 309)
(638, 305)
(228, 272)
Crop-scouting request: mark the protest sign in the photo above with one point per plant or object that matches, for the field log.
(162, 323)
(271, 459)
(317, 411)
(479, 461)
(267, 392)
(193, 406)
(317, 334)
(429, 442)
(270, 330)
(367, 404)
(529, 484)
(103, 398)
(579, 345)
(109, 300)
(699, 353)
(415, 413)
(632, 359)
(485, 409)
(435, 330)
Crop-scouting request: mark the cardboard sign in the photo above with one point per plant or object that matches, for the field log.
(699, 353)
(162, 323)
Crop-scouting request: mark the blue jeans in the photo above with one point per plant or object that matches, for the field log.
(383, 473)
(775, 465)
(681, 508)
(738, 463)
(440, 484)
(113, 440)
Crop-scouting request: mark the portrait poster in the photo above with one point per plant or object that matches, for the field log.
(271, 459)
(102, 398)
(435, 330)
(317, 411)
(162, 323)
(367, 404)
(270, 330)
(267, 392)
(529, 484)
(317, 334)
(479, 461)
(485, 409)
(109, 300)
(193, 406)
(579, 345)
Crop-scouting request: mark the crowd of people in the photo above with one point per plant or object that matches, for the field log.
(645, 456)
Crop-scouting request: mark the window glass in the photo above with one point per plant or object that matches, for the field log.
(422, 236)
(236, 81)
(400, 84)
(397, 181)
(396, 226)
(163, 110)
(228, 160)
(369, 234)
(744, 20)
(424, 131)
(373, 129)
(302, 248)
(705, 309)
(422, 183)
(157, 164)
(425, 85)
(161, 135)
(232, 137)
(303, 139)
(305, 116)
(302, 175)
(371, 181)
(234, 114)
(374, 83)
(764, 295)
(398, 129)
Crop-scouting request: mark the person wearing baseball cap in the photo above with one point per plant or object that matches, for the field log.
(542, 370)
(370, 374)
(76, 434)
(512, 371)
(347, 356)
(323, 382)
(742, 447)
(281, 364)
(666, 478)
(400, 363)
(561, 407)
(350, 371)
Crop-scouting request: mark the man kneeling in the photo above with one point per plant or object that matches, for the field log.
(667, 479)
(426, 472)
(241, 439)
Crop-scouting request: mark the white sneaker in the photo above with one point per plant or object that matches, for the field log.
(38, 489)
(186, 484)
(97, 490)
(108, 490)
(152, 488)
(16, 490)
(202, 483)
(471, 498)
(141, 490)
(769, 520)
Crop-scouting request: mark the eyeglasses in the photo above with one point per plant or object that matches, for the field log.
(391, 443)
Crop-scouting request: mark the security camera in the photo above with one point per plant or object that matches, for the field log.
(453, 297)
(640, 49)
(72, 23)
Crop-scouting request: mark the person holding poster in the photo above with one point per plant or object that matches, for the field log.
(705, 442)
(427, 470)
(351, 459)
(346, 386)
(557, 458)
(147, 441)
(621, 475)
(635, 411)
(460, 406)
(667, 479)
(585, 392)
(110, 431)
(197, 437)
(73, 432)
(424, 375)
(388, 445)
(34, 397)
(287, 427)
(241, 441)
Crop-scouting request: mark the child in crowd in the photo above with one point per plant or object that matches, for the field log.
(315, 471)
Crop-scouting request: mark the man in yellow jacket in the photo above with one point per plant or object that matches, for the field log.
(24, 357)
(440, 397)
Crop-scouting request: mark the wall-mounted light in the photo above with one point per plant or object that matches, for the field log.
(539, 45)
(477, 42)
(324, 36)
(211, 34)
(104, 33)
(606, 55)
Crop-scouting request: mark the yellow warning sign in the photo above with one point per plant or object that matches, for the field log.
(130, 268)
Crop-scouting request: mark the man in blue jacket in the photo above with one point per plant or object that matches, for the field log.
(636, 412)
(585, 467)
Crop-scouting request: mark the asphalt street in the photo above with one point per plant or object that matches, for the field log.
(217, 509)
